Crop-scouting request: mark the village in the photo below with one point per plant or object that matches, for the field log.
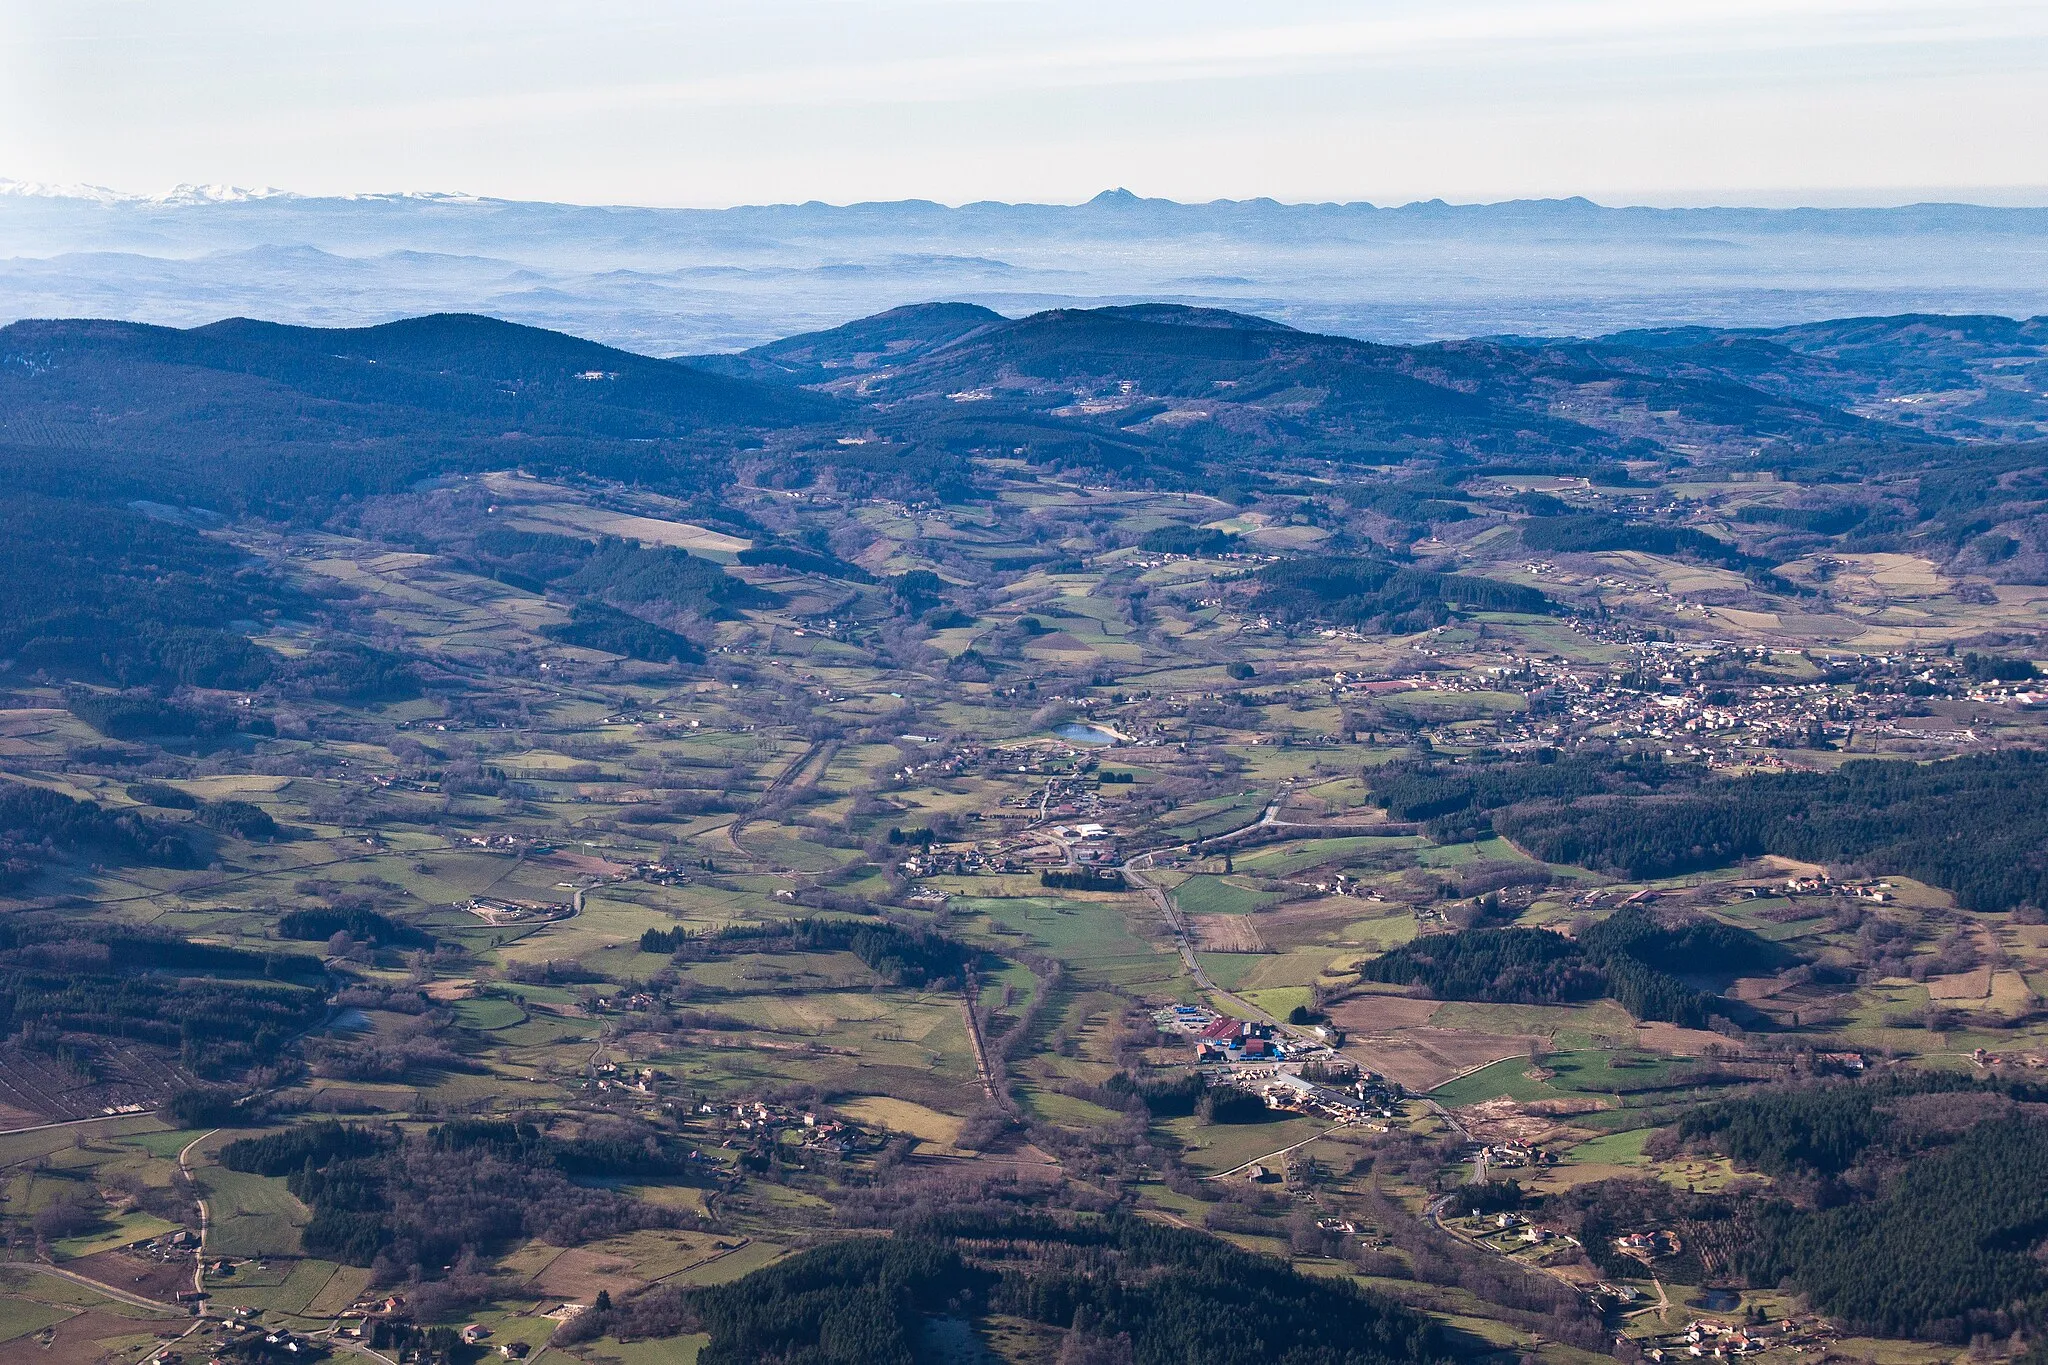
(1287, 1072)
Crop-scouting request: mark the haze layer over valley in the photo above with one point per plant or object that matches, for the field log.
(672, 281)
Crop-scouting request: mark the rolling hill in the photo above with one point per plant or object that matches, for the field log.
(243, 415)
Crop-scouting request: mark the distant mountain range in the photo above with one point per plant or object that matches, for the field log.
(673, 281)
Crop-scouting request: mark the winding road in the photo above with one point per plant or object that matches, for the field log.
(205, 1215)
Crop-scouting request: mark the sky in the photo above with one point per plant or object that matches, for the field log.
(761, 101)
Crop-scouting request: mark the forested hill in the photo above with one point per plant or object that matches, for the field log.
(861, 346)
(1207, 372)
(1170, 393)
(250, 416)
(242, 416)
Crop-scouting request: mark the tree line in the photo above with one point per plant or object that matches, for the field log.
(1631, 957)
(1152, 1295)
(902, 955)
(1969, 825)
(1381, 595)
(1926, 1196)
(405, 1201)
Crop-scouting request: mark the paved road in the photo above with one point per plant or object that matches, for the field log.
(73, 1123)
(970, 990)
(98, 1286)
(1184, 940)
(205, 1216)
(1293, 1146)
(781, 782)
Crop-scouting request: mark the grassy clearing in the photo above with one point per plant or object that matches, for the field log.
(1282, 859)
(672, 1351)
(1206, 819)
(166, 1144)
(1066, 1111)
(901, 1116)
(1229, 970)
(1502, 1080)
(1278, 1001)
(253, 1215)
(1615, 1149)
(1220, 896)
(303, 1283)
(1216, 1147)
(1091, 936)
(489, 1013)
(128, 1228)
(26, 1146)
(19, 1317)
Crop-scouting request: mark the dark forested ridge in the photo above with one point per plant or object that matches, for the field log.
(221, 1009)
(1163, 1295)
(379, 1197)
(1970, 825)
(1582, 534)
(1930, 1193)
(1426, 790)
(104, 592)
(1381, 594)
(242, 416)
(1631, 956)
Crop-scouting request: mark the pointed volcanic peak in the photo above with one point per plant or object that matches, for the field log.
(882, 341)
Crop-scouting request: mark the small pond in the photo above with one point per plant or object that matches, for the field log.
(1074, 732)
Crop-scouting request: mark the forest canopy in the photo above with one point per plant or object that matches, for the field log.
(1381, 595)
(1631, 956)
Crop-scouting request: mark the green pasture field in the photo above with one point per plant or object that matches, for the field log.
(123, 1230)
(28, 1144)
(1229, 970)
(1614, 1149)
(253, 1215)
(1217, 1147)
(295, 1291)
(1502, 1080)
(1206, 819)
(489, 1012)
(1281, 859)
(20, 1317)
(1092, 937)
(1205, 895)
(1278, 1000)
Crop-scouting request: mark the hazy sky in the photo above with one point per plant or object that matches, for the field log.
(749, 101)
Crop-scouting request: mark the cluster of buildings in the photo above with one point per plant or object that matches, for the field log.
(496, 911)
(974, 860)
(802, 1128)
(1512, 1230)
(505, 843)
(1510, 1156)
(1649, 1246)
(1821, 884)
(660, 873)
(1722, 703)
(1270, 1062)
(1717, 702)
(1705, 1338)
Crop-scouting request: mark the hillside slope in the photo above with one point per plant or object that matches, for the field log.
(241, 414)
